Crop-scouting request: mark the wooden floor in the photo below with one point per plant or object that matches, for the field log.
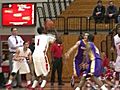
(67, 86)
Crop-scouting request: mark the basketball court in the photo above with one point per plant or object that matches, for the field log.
(66, 86)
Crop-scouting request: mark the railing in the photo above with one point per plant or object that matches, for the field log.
(101, 26)
(78, 24)
(59, 23)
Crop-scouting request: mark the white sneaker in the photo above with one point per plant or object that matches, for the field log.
(77, 88)
(112, 88)
(43, 83)
(104, 88)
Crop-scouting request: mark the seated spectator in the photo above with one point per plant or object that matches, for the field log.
(119, 16)
(111, 12)
(98, 12)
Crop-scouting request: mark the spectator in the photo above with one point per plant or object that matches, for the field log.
(98, 12)
(2, 78)
(32, 45)
(56, 55)
(111, 12)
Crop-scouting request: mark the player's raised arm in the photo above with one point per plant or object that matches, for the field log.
(67, 54)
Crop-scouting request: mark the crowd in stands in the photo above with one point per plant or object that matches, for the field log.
(105, 14)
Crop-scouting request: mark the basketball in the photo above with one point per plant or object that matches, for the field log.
(49, 24)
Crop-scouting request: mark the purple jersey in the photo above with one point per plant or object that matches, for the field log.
(79, 59)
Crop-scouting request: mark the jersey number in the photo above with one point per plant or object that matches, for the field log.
(38, 42)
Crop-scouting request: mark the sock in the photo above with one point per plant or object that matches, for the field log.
(9, 81)
(43, 83)
(103, 87)
(28, 82)
(34, 83)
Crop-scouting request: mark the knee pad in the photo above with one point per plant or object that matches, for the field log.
(13, 74)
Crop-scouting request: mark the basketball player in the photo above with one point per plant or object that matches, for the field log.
(20, 63)
(77, 71)
(40, 60)
(116, 45)
(87, 58)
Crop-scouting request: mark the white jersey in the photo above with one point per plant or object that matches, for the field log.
(40, 60)
(24, 53)
(117, 44)
(22, 66)
(42, 42)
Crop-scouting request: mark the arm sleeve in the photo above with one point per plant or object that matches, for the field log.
(107, 11)
(103, 10)
(11, 44)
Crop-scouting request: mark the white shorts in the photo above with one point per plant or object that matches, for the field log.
(22, 66)
(117, 64)
(41, 64)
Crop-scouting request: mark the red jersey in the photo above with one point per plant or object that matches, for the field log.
(56, 50)
(105, 62)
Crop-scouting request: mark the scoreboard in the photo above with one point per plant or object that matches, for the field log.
(18, 14)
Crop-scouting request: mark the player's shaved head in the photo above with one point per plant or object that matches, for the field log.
(40, 30)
